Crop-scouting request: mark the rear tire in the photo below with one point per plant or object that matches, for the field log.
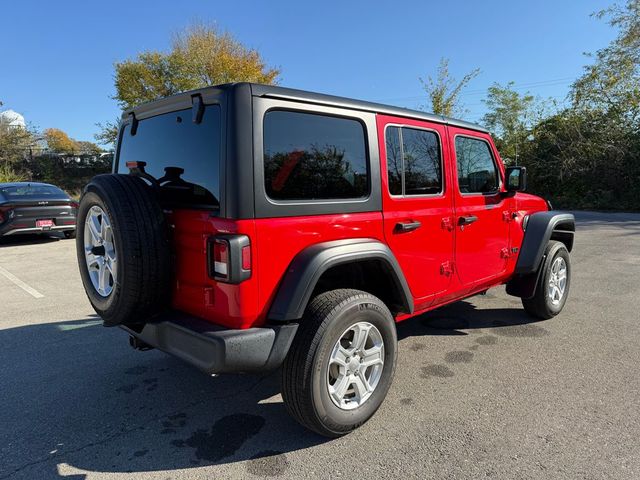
(70, 234)
(136, 251)
(314, 375)
(553, 284)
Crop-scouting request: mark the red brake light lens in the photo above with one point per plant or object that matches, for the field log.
(221, 265)
(246, 257)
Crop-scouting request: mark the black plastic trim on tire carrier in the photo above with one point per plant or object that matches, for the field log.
(307, 267)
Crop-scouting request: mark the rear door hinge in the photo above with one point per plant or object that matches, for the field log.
(447, 224)
(509, 215)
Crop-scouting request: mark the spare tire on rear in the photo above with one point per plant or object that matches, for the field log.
(123, 249)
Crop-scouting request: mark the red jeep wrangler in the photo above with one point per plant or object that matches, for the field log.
(247, 227)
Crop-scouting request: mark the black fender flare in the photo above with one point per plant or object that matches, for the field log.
(307, 267)
(540, 227)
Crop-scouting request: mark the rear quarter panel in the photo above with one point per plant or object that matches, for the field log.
(233, 306)
(274, 244)
(279, 240)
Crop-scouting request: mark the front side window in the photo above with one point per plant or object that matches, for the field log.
(314, 157)
(414, 161)
(477, 171)
(183, 156)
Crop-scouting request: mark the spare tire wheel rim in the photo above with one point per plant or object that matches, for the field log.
(355, 366)
(100, 251)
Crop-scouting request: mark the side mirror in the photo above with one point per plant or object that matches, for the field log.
(516, 179)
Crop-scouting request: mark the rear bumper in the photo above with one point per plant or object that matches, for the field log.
(214, 349)
(17, 231)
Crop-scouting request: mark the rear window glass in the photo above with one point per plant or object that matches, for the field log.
(32, 191)
(182, 155)
(314, 157)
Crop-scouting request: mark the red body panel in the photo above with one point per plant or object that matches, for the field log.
(274, 243)
(482, 247)
(442, 262)
(234, 306)
(421, 253)
(281, 239)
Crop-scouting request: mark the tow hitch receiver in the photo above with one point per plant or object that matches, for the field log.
(138, 344)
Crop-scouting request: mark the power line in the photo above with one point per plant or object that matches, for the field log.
(521, 86)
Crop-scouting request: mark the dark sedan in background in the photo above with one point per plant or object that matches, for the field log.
(29, 207)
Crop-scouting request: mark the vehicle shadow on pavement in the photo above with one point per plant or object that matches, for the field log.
(76, 396)
(457, 317)
(30, 239)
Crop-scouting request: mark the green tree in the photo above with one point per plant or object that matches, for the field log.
(88, 148)
(612, 82)
(200, 56)
(16, 145)
(588, 154)
(108, 133)
(444, 91)
(508, 114)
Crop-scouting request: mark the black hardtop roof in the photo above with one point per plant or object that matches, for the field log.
(272, 91)
(331, 100)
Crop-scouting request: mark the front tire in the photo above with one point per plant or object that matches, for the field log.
(553, 284)
(341, 363)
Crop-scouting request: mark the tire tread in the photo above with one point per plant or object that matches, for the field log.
(144, 252)
(297, 369)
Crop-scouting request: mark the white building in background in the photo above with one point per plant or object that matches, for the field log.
(12, 119)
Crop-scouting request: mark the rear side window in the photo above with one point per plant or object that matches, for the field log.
(414, 161)
(394, 160)
(182, 155)
(477, 171)
(32, 191)
(314, 157)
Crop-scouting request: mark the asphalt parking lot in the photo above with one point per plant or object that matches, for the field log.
(480, 390)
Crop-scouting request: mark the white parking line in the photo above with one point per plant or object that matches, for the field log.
(12, 278)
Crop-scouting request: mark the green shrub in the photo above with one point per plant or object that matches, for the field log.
(8, 175)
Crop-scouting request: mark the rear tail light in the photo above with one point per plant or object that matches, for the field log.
(229, 258)
(75, 204)
(221, 266)
(5, 214)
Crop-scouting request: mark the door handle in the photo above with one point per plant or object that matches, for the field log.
(407, 226)
(468, 220)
